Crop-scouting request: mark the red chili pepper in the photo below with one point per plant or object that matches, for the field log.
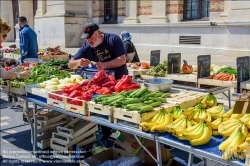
(90, 84)
(85, 83)
(126, 79)
(99, 76)
(111, 78)
(128, 87)
(74, 93)
(69, 89)
(87, 96)
(108, 84)
(95, 88)
(111, 88)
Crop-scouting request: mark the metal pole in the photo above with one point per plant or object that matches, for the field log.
(229, 98)
(35, 131)
(26, 107)
(158, 152)
(190, 159)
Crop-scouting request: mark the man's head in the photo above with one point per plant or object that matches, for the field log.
(22, 21)
(4, 30)
(92, 34)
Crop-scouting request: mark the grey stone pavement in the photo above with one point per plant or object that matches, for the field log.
(15, 134)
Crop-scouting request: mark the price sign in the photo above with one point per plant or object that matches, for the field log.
(243, 69)
(174, 63)
(203, 63)
(155, 58)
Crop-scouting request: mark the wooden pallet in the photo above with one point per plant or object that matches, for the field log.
(207, 81)
(51, 99)
(101, 110)
(75, 128)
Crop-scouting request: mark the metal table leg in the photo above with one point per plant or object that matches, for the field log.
(35, 131)
(229, 97)
(158, 152)
(190, 159)
(26, 107)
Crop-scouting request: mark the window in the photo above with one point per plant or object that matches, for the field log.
(110, 11)
(196, 9)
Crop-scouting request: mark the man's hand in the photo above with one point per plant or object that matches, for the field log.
(100, 65)
(24, 74)
(83, 62)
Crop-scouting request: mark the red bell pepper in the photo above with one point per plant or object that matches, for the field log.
(74, 93)
(85, 83)
(111, 88)
(131, 86)
(87, 96)
(76, 101)
(69, 89)
(108, 84)
(90, 84)
(99, 76)
(126, 79)
(111, 78)
(106, 91)
(95, 88)
(102, 82)
(63, 94)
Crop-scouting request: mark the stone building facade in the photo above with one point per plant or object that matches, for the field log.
(185, 26)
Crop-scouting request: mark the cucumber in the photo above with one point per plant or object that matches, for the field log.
(146, 108)
(155, 104)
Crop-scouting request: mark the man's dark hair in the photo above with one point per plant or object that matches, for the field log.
(22, 19)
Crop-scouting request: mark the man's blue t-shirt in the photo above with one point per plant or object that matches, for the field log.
(109, 49)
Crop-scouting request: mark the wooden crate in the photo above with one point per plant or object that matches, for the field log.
(75, 108)
(33, 89)
(132, 118)
(146, 77)
(75, 128)
(51, 99)
(59, 57)
(207, 81)
(101, 110)
(44, 121)
(183, 77)
(43, 144)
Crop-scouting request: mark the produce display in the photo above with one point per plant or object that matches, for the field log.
(9, 50)
(139, 65)
(159, 70)
(141, 100)
(56, 62)
(225, 74)
(187, 68)
(59, 84)
(55, 51)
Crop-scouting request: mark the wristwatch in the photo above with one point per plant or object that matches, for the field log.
(17, 75)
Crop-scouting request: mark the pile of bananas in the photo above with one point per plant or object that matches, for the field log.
(159, 122)
(209, 101)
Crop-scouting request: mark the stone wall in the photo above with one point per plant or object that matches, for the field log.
(121, 8)
(216, 5)
(144, 7)
(175, 7)
(98, 9)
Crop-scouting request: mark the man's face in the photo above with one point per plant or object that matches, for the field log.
(94, 40)
(2, 36)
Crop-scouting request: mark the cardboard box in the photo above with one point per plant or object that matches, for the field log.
(129, 143)
(110, 154)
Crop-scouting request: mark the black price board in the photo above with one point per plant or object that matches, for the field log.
(155, 58)
(243, 67)
(174, 63)
(203, 64)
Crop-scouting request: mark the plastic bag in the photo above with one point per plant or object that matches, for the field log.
(124, 161)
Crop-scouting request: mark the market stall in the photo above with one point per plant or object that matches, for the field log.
(130, 107)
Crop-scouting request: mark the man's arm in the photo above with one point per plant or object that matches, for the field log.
(23, 43)
(73, 64)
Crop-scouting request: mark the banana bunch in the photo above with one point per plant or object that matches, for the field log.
(230, 145)
(241, 150)
(177, 112)
(228, 127)
(228, 114)
(198, 134)
(197, 112)
(209, 101)
(158, 122)
(216, 111)
(180, 123)
(214, 125)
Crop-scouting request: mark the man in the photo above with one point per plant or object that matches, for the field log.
(28, 40)
(103, 48)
